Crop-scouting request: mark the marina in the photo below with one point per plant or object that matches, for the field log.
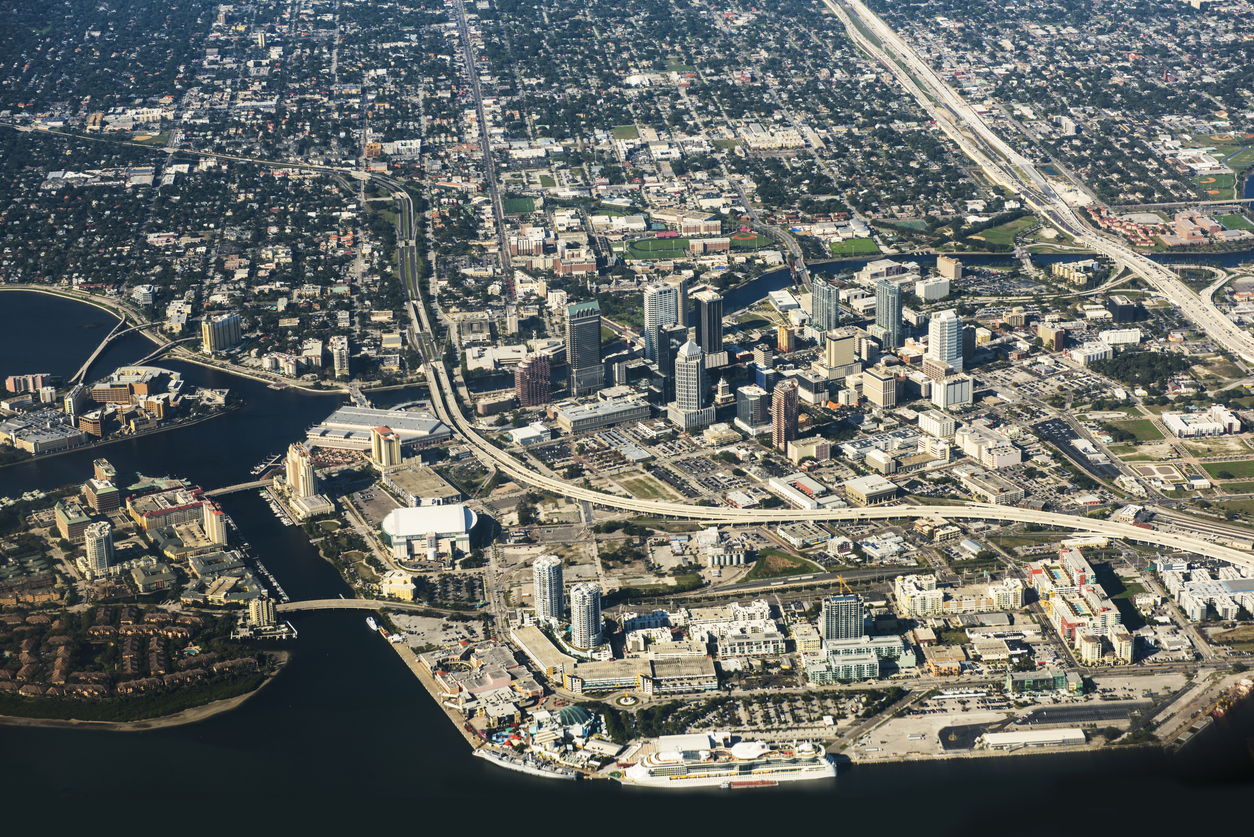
(276, 506)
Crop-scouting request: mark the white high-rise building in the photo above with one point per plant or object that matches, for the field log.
(585, 615)
(687, 409)
(98, 542)
(944, 338)
(661, 308)
(340, 358)
(214, 523)
(689, 377)
(546, 575)
(301, 479)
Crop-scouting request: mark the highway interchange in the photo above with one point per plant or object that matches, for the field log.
(1018, 174)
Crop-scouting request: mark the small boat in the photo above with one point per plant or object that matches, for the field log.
(373, 625)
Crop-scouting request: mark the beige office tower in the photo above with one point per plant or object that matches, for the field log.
(879, 385)
(948, 267)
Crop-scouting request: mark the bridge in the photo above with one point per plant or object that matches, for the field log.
(160, 350)
(355, 604)
(113, 335)
(243, 486)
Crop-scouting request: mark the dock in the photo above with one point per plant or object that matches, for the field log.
(459, 721)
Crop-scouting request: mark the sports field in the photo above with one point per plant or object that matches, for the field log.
(657, 248)
(518, 206)
(854, 247)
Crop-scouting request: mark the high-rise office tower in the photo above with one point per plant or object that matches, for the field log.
(585, 615)
(301, 479)
(583, 347)
(944, 338)
(681, 291)
(690, 377)
(687, 409)
(842, 618)
(385, 447)
(98, 543)
(825, 304)
(784, 414)
(785, 340)
(879, 385)
(670, 340)
(219, 332)
(753, 406)
(546, 577)
(213, 521)
(888, 313)
(840, 349)
(661, 308)
(533, 381)
(709, 321)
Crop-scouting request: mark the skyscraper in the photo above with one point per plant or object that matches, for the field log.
(385, 447)
(585, 615)
(681, 291)
(879, 385)
(842, 618)
(533, 381)
(709, 321)
(219, 332)
(98, 543)
(583, 347)
(753, 407)
(944, 338)
(784, 414)
(213, 521)
(888, 313)
(546, 577)
(301, 479)
(825, 304)
(690, 377)
(688, 410)
(341, 360)
(661, 308)
(671, 339)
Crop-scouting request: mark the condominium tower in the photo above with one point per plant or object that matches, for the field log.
(546, 576)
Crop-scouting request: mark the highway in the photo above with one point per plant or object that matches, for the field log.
(449, 411)
(1007, 167)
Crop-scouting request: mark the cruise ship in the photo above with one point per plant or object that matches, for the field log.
(689, 761)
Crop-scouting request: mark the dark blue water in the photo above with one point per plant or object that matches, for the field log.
(346, 725)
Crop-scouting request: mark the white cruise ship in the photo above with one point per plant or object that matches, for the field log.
(686, 761)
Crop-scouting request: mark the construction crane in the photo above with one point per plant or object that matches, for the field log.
(843, 586)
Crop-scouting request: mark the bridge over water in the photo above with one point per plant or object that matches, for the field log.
(113, 335)
(353, 604)
(242, 486)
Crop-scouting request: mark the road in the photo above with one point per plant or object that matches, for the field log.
(449, 411)
(1007, 167)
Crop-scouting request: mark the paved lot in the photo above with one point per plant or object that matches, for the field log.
(1085, 713)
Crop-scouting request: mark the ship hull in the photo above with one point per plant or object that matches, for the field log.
(716, 777)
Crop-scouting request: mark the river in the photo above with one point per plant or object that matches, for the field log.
(345, 723)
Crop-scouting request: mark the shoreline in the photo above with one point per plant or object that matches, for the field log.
(90, 299)
(114, 440)
(178, 719)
